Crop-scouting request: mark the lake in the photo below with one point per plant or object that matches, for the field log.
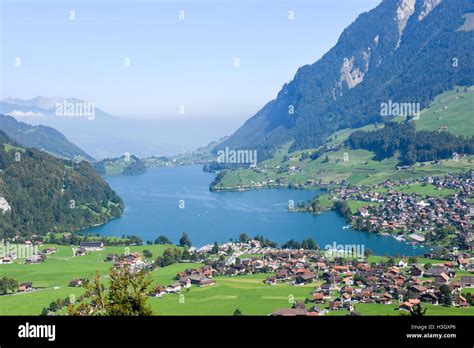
(170, 201)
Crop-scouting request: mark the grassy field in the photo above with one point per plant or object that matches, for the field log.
(54, 274)
(452, 109)
(247, 293)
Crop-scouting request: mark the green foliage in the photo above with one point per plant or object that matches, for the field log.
(47, 194)
(163, 240)
(413, 146)
(126, 295)
(8, 285)
(185, 241)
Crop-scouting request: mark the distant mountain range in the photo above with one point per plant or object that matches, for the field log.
(42, 138)
(403, 51)
(57, 106)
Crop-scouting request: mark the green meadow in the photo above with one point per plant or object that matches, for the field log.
(247, 293)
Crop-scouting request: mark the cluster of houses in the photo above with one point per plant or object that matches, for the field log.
(199, 277)
(86, 247)
(394, 210)
(342, 284)
(339, 283)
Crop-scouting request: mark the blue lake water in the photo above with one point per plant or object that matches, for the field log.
(170, 201)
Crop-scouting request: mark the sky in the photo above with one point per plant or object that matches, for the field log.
(154, 59)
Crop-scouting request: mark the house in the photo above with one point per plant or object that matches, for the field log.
(270, 281)
(417, 289)
(111, 257)
(76, 283)
(34, 259)
(408, 305)
(305, 278)
(416, 270)
(159, 291)
(335, 305)
(25, 286)
(80, 252)
(92, 246)
(429, 298)
(5, 260)
(184, 282)
(200, 280)
(467, 281)
(442, 278)
(173, 288)
(318, 297)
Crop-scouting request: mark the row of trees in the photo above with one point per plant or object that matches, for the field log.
(413, 146)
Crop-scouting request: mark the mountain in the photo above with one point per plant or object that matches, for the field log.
(57, 106)
(42, 138)
(40, 193)
(403, 51)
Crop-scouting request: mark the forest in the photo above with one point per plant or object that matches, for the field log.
(412, 146)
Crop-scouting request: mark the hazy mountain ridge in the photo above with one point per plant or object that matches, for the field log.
(43, 106)
(41, 137)
(402, 50)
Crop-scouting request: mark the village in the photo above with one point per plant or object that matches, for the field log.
(337, 280)
(413, 216)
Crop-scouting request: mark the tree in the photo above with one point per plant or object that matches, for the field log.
(215, 248)
(237, 312)
(243, 238)
(412, 259)
(147, 254)
(418, 310)
(184, 240)
(427, 266)
(163, 240)
(126, 296)
(446, 299)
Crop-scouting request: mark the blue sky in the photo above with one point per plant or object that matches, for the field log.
(173, 62)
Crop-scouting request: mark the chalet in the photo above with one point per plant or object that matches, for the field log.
(92, 246)
(34, 259)
(173, 288)
(49, 251)
(5, 260)
(76, 283)
(442, 278)
(318, 297)
(200, 280)
(416, 270)
(467, 281)
(80, 252)
(270, 281)
(185, 282)
(307, 277)
(429, 298)
(335, 305)
(159, 291)
(25, 287)
(111, 257)
(417, 289)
